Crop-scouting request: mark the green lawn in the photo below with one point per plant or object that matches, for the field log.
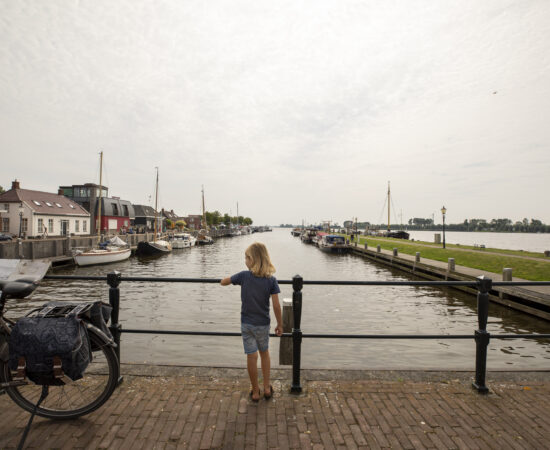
(477, 259)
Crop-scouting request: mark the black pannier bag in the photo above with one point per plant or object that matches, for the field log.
(40, 343)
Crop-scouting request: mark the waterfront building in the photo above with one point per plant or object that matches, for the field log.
(116, 215)
(193, 221)
(29, 213)
(144, 218)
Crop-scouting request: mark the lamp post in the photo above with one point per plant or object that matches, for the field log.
(20, 219)
(443, 212)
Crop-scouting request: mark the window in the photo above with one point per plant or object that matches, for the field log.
(115, 209)
(7, 207)
(125, 209)
(24, 225)
(6, 224)
(77, 226)
(37, 203)
(50, 225)
(71, 205)
(49, 204)
(40, 226)
(84, 225)
(58, 205)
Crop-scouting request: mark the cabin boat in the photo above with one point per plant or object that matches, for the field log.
(183, 240)
(332, 243)
(204, 239)
(296, 232)
(157, 247)
(308, 236)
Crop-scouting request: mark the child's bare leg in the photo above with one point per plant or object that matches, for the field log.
(265, 361)
(252, 366)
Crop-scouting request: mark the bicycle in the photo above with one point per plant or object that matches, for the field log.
(71, 399)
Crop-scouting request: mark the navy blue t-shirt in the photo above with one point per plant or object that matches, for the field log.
(255, 293)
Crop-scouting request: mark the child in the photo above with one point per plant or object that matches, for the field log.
(257, 284)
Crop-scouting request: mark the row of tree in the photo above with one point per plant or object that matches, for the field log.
(496, 225)
(216, 218)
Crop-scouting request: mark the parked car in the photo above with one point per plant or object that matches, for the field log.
(5, 237)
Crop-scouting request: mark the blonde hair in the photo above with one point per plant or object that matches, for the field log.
(261, 264)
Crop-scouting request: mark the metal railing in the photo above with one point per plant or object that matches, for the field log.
(481, 336)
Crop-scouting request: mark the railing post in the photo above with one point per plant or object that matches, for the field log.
(113, 280)
(482, 337)
(297, 284)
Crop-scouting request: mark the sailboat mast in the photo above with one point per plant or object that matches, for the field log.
(156, 204)
(203, 212)
(237, 214)
(389, 226)
(100, 192)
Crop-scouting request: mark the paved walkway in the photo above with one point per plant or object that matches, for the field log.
(209, 408)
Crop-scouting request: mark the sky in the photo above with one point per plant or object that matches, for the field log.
(295, 110)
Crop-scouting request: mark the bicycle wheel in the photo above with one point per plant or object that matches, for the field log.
(76, 398)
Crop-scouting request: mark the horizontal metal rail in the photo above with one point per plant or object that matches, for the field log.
(472, 283)
(340, 336)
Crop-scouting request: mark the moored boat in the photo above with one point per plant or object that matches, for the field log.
(157, 247)
(183, 240)
(332, 243)
(308, 236)
(102, 256)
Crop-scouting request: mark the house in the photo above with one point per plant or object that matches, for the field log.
(171, 216)
(28, 213)
(144, 218)
(116, 214)
(193, 221)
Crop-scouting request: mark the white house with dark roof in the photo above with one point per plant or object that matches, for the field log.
(37, 213)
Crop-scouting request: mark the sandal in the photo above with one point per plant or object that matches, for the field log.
(268, 396)
(255, 400)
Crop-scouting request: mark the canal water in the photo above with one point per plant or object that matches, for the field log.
(326, 309)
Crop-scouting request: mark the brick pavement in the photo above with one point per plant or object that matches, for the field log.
(182, 409)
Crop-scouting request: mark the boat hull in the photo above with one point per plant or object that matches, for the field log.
(152, 248)
(102, 257)
(336, 249)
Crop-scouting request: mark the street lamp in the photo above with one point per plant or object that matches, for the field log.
(443, 212)
(20, 219)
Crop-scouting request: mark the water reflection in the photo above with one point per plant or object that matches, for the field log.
(326, 309)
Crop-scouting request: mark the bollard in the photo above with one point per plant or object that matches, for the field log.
(506, 276)
(395, 252)
(366, 246)
(285, 346)
(113, 280)
(297, 284)
(482, 337)
(417, 258)
(451, 265)
(378, 249)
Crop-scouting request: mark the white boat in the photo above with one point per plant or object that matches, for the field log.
(183, 240)
(102, 256)
(332, 243)
(112, 251)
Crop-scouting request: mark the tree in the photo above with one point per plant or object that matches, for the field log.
(2, 190)
(180, 224)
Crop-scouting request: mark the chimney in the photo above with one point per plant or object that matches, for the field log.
(15, 185)
(60, 192)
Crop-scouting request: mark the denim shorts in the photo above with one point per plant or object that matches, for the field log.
(255, 337)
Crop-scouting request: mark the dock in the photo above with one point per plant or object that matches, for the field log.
(170, 407)
(534, 300)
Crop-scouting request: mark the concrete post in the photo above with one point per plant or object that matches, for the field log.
(437, 238)
(451, 265)
(366, 246)
(417, 258)
(506, 276)
(285, 346)
(378, 249)
(395, 252)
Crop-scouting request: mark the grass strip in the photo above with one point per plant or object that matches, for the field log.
(527, 269)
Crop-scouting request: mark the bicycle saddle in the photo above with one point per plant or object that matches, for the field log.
(18, 288)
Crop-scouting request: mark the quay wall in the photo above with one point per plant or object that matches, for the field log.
(526, 300)
(60, 249)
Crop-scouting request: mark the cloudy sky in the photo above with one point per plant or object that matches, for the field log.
(297, 110)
